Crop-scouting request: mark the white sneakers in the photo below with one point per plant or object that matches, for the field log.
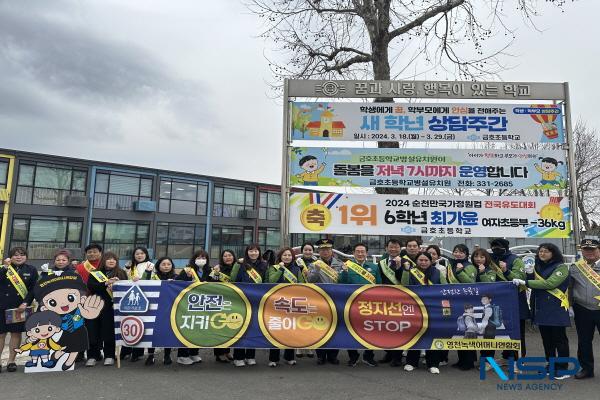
(291, 362)
(196, 359)
(250, 361)
(442, 363)
(91, 362)
(239, 363)
(409, 368)
(272, 364)
(109, 361)
(434, 370)
(184, 361)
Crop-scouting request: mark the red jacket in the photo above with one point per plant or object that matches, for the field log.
(85, 275)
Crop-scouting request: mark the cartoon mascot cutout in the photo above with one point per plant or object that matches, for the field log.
(57, 332)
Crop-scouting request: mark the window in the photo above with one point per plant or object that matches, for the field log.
(182, 197)
(3, 173)
(42, 236)
(235, 238)
(179, 240)
(269, 238)
(47, 184)
(298, 239)
(120, 237)
(269, 205)
(229, 201)
(117, 191)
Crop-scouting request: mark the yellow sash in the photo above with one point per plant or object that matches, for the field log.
(419, 276)
(303, 267)
(154, 277)
(222, 276)
(100, 277)
(407, 258)
(330, 272)
(556, 292)
(388, 272)
(16, 281)
(287, 274)
(589, 274)
(255, 276)
(498, 271)
(360, 271)
(450, 274)
(88, 266)
(195, 277)
(133, 272)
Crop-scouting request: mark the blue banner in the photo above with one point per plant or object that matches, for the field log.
(184, 314)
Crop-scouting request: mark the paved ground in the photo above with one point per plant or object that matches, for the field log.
(306, 380)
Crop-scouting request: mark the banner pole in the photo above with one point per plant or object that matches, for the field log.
(285, 198)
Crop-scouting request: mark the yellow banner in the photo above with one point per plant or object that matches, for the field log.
(475, 344)
(589, 274)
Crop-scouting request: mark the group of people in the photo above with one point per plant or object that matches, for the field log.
(551, 282)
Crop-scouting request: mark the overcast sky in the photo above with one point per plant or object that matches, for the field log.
(182, 84)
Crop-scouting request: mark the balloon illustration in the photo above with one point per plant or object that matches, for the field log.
(546, 120)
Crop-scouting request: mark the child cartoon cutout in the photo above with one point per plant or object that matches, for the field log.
(66, 296)
(547, 168)
(40, 327)
(310, 176)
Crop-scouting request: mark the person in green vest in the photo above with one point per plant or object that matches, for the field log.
(359, 271)
(482, 261)
(390, 265)
(286, 270)
(460, 270)
(423, 274)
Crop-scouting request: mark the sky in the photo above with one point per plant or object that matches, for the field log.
(183, 85)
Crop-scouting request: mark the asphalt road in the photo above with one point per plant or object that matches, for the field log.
(305, 380)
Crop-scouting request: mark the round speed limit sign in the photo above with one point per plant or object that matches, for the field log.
(132, 330)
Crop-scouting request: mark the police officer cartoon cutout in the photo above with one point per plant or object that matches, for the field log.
(66, 295)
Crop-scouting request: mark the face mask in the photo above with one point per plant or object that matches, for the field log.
(498, 251)
(200, 262)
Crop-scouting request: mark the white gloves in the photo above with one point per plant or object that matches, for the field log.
(44, 267)
(518, 282)
(571, 313)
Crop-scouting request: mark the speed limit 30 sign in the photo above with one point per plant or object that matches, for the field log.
(132, 330)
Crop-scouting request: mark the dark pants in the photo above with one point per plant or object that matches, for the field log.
(444, 355)
(185, 352)
(167, 352)
(328, 355)
(101, 334)
(244, 354)
(586, 323)
(506, 354)
(556, 343)
(288, 355)
(134, 351)
(432, 358)
(489, 333)
(367, 355)
(466, 358)
(220, 352)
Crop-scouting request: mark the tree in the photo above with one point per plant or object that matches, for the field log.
(587, 173)
(382, 39)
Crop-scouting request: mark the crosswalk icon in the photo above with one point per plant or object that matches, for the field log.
(134, 301)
